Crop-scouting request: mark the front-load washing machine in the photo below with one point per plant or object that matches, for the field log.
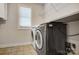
(50, 38)
(33, 33)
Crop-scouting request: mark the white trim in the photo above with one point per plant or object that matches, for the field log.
(14, 44)
(24, 28)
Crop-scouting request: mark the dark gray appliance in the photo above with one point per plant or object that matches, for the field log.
(51, 38)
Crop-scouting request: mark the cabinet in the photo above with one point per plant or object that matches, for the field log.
(55, 11)
(50, 12)
(3, 11)
(66, 9)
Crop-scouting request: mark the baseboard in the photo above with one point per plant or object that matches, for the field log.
(15, 44)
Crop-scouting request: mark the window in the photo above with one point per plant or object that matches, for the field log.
(24, 17)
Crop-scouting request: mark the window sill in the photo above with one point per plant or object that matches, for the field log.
(24, 28)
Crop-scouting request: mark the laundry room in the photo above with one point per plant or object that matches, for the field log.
(39, 28)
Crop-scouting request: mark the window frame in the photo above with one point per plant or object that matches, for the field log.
(24, 27)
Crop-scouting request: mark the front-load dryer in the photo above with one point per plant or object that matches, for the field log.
(50, 38)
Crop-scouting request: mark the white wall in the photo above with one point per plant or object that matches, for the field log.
(73, 28)
(10, 35)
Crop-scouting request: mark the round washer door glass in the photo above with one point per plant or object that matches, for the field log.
(39, 41)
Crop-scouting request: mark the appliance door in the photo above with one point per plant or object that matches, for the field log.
(59, 32)
(33, 38)
(39, 40)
